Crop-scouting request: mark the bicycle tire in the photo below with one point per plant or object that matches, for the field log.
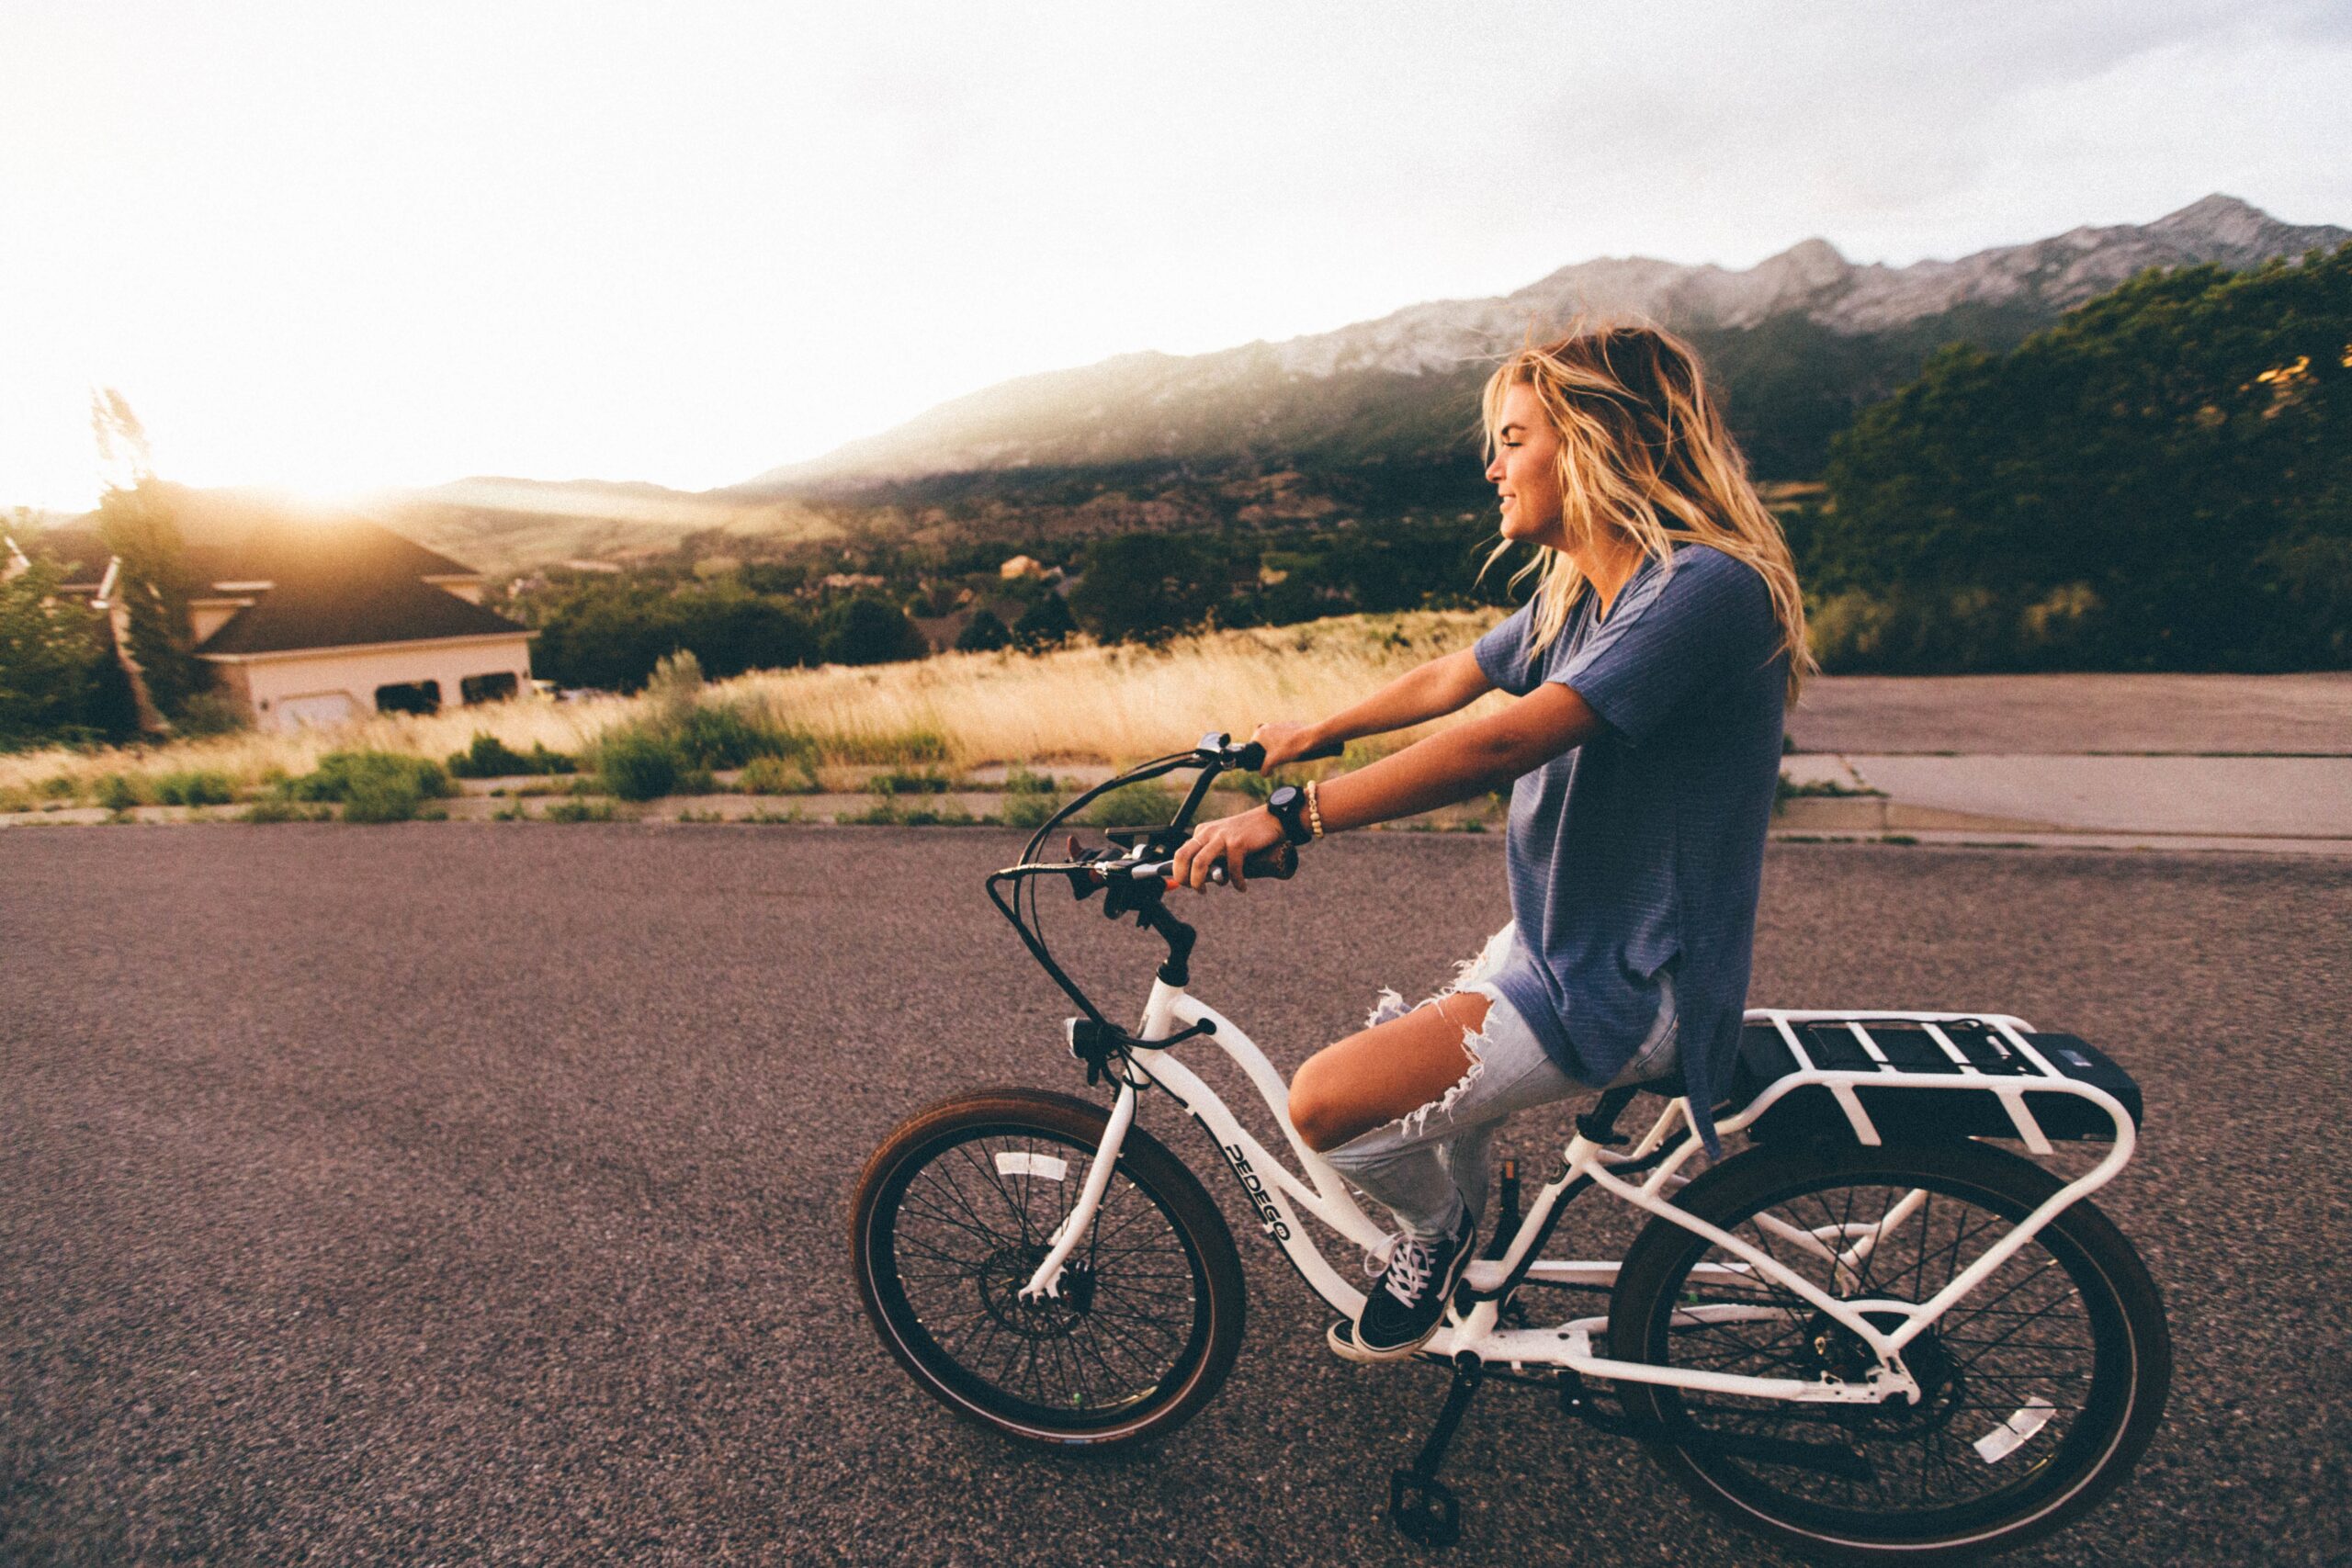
(1098, 1376)
(2078, 1424)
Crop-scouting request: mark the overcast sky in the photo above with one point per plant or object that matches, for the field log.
(330, 246)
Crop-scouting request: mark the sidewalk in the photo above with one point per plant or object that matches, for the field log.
(2173, 762)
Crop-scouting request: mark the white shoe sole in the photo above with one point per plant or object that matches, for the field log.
(1347, 1349)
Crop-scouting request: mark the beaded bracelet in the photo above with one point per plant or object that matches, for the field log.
(1314, 812)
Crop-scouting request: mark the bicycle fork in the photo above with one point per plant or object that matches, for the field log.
(1048, 1279)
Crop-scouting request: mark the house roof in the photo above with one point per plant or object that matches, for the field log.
(75, 547)
(331, 581)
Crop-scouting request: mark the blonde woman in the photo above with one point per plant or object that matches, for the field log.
(1651, 668)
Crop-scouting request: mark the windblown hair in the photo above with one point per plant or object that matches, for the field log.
(1643, 451)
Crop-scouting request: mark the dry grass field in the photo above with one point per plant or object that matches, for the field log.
(1114, 705)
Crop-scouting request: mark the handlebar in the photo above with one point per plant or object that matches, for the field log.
(1136, 881)
(1279, 863)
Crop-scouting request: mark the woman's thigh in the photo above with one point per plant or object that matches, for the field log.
(1380, 1073)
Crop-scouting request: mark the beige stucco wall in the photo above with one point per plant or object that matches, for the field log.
(267, 685)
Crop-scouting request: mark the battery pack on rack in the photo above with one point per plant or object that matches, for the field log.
(1928, 1067)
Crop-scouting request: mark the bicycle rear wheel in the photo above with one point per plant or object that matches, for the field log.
(953, 1215)
(2040, 1387)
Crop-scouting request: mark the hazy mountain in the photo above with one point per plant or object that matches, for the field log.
(1801, 340)
(502, 526)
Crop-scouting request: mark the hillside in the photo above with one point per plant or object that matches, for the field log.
(1802, 340)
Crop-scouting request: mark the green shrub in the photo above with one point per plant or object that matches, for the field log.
(984, 633)
(376, 773)
(381, 797)
(1146, 804)
(696, 781)
(904, 745)
(636, 765)
(1027, 809)
(210, 712)
(774, 776)
(195, 788)
(1788, 789)
(580, 811)
(1021, 781)
(725, 735)
(281, 810)
(887, 812)
(117, 793)
(490, 758)
(1257, 786)
(58, 787)
(946, 814)
(898, 782)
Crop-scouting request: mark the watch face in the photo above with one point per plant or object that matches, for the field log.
(1283, 798)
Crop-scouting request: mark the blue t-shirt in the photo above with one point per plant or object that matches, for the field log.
(1644, 847)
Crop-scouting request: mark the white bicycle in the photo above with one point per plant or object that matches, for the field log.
(1870, 1334)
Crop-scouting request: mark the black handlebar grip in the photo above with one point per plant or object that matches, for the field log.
(1277, 865)
(1252, 759)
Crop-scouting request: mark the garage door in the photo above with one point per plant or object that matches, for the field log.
(324, 708)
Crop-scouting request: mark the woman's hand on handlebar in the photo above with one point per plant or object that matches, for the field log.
(1230, 840)
(1289, 743)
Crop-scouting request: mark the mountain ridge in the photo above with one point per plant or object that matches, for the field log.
(1230, 403)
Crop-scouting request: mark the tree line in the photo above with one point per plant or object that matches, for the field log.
(2162, 480)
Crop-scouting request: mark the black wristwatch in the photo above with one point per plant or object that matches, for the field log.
(1289, 806)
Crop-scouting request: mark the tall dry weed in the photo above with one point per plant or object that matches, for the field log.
(1112, 704)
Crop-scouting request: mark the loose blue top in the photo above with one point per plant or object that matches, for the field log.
(1642, 848)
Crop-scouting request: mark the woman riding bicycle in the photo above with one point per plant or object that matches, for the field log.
(1652, 666)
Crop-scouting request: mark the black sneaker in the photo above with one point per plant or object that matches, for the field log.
(1404, 1304)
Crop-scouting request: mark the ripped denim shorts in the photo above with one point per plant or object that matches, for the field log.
(1418, 1162)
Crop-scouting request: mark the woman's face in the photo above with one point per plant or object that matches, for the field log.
(1525, 472)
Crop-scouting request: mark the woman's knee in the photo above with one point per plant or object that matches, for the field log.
(1317, 1107)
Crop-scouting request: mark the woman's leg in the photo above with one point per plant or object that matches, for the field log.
(1408, 1107)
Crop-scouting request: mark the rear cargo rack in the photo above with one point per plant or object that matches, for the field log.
(1924, 1075)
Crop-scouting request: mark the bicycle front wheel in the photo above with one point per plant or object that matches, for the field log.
(2039, 1388)
(953, 1215)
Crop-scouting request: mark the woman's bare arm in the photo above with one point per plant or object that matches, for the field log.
(1454, 765)
(1429, 691)
(1466, 759)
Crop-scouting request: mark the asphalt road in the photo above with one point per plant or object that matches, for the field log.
(454, 1194)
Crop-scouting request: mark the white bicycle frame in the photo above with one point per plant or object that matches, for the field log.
(1279, 1197)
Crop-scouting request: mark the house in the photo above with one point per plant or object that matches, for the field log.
(309, 621)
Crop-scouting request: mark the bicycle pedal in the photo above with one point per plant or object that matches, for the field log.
(1424, 1509)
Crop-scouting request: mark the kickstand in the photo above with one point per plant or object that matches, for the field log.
(1422, 1508)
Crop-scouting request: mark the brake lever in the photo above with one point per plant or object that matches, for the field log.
(1083, 882)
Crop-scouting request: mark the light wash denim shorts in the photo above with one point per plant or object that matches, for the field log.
(1508, 1039)
(1434, 1157)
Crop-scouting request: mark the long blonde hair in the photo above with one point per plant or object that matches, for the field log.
(1643, 450)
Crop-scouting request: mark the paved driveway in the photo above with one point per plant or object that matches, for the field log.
(455, 1194)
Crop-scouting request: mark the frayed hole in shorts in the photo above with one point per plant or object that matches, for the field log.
(1474, 1042)
(1388, 1006)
